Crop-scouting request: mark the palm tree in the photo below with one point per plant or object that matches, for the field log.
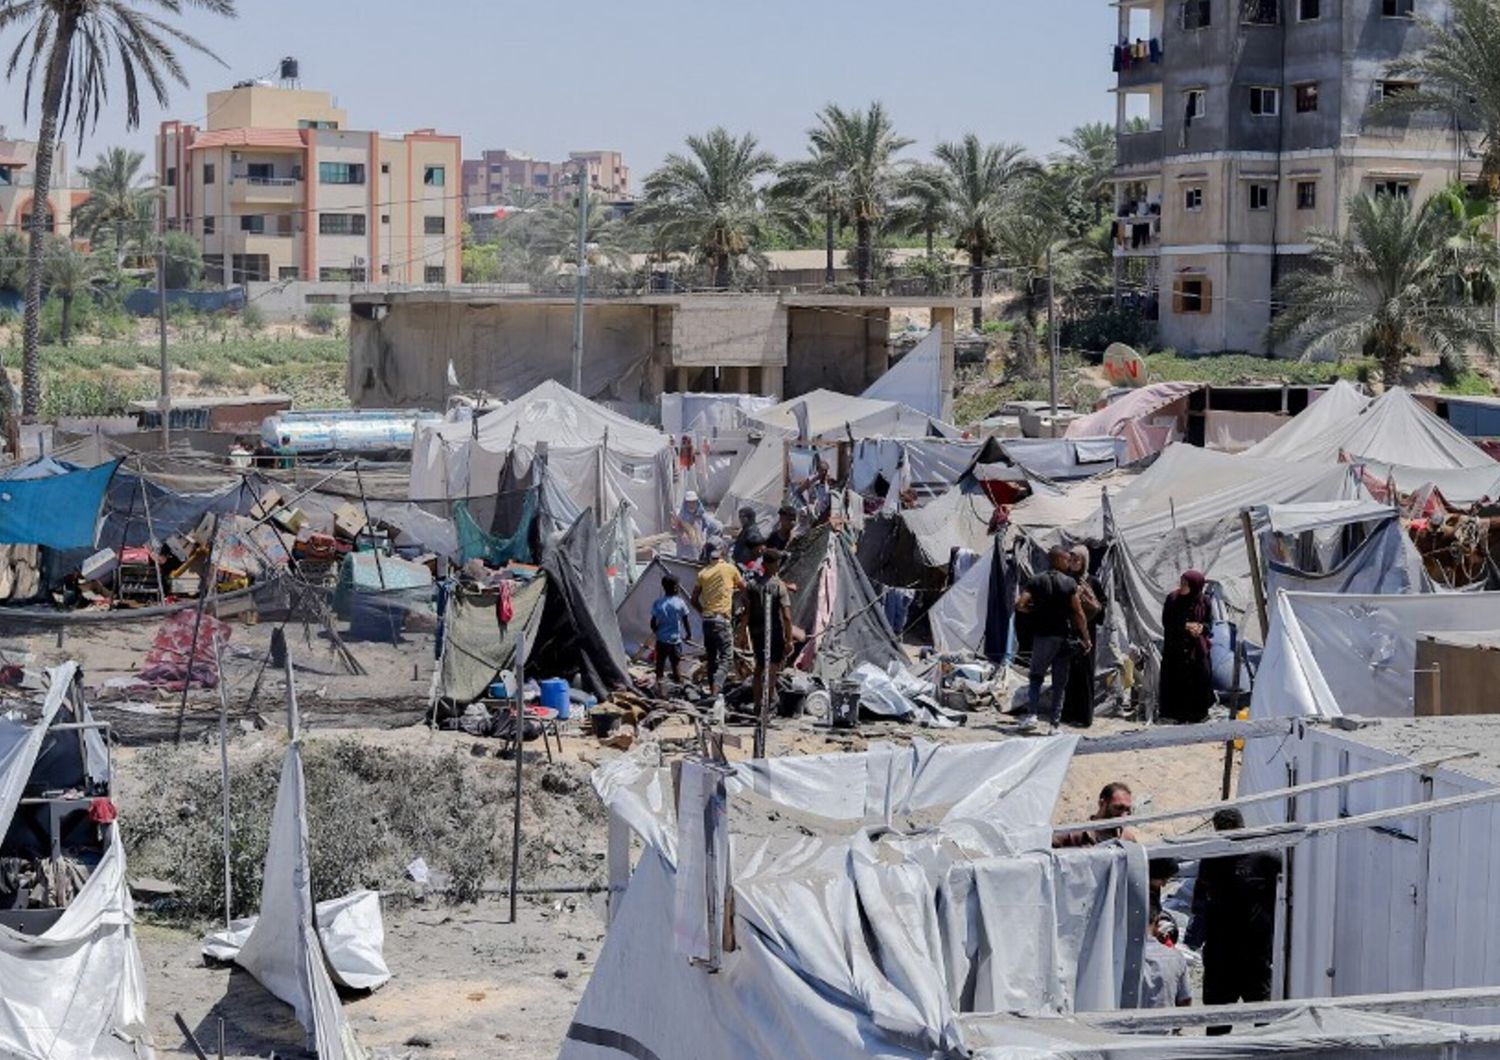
(859, 148)
(71, 48)
(1457, 74)
(116, 195)
(1401, 277)
(69, 274)
(812, 187)
(978, 181)
(921, 205)
(1089, 160)
(708, 200)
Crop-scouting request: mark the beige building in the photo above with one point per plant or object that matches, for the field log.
(276, 186)
(18, 187)
(502, 177)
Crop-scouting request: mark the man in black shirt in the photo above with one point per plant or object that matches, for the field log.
(786, 529)
(1234, 913)
(768, 613)
(1051, 599)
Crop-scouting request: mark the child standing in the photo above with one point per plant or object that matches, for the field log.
(669, 621)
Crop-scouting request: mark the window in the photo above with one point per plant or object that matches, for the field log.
(341, 224)
(251, 268)
(385, 218)
(1307, 195)
(308, 123)
(341, 173)
(1398, 8)
(352, 275)
(1195, 105)
(434, 274)
(1264, 102)
(1260, 196)
(385, 167)
(1309, 10)
(1192, 199)
(253, 222)
(1392, 89)
(1196, 14)
(1401, 189)
(434, 226)
(5, 176)
(385, 270)
(1260, 12)
(434, 176)
(208, 225)
(171, 176)
(288, 272)
(49, 223)
(208, 172)
(1307, 97)
(1192, 294)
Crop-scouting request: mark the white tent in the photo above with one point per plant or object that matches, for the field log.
(599, 457)
(1461, 487)
(917, 379)
(77, 989)
(1337, 406)
(1394, 428)
(833, 417)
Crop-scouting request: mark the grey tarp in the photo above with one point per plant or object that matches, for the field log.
(1345, 547)
(836, 605)
(971, 616)
(1394, 428)
(475, 647)
(1333, 409)
(1461, 487)
(634, 612)
(917, 379)
(579, 632)
(77, 990)
(912, 548)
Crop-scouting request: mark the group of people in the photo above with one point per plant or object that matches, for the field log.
(1232, 921)
(1065, 606)
(246, 453)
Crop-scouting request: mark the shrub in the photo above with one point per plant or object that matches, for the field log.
(322, 318)
(252, 318)
(1094, 331)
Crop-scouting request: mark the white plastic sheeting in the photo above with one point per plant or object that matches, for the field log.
(1394, 428)
(1138, 408)
(690, 413)
(917, 379)
(1461, 487)
(1334, 408)
(1305, 548)
(350, 928)
(283, 950)
(832, 416)
(1328, 653)
(1065, 459)
(76, 991)
(959, 617)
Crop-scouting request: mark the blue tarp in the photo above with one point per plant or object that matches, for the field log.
(57, 512)
(142, 303)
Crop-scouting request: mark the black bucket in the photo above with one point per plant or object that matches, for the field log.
(789, 703)
(604, 722)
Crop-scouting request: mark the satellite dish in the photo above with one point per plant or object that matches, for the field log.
(1123, 366)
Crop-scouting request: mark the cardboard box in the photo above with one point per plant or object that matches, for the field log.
(289, 519)
(100, 565)
(349, 521)
(269, 502)
(1457, 673)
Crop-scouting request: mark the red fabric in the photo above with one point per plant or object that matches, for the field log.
(102, 811)
(505, 607)
(167, 666)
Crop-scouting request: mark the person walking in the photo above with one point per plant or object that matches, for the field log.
(1051, 599)
(1078, 704)
(1186, 688)
(713, 597)
(768, 613)
(669, 622)
(1234, 916)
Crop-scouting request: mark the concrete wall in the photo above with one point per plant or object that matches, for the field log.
(729, 331)
(836, 349)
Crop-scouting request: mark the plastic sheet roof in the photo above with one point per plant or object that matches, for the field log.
(1394, 428)
(1338, 405)
(917, 379)
(553, 414)
(834, 415)
(1131, 408)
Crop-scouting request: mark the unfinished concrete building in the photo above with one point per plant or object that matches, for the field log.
(1242, 126)
(402, 344)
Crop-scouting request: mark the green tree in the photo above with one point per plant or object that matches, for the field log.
(708, 201)
(979, 182)
(12, 261)
(481, 258)
(1401, 277)
(184, 264)
(69, 274)
(70, 49)
(1457, 74)
(857, 150)
(1088, 162)
(921, 205)
(811, 188)
(118, 192)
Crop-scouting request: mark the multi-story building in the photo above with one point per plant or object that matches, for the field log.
(18, 187)
(1245, 124)
(276, 186)
(508, 177)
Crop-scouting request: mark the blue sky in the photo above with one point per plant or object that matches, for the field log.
(550, 77)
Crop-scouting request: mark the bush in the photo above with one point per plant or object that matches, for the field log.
(252, 318)
(1094, 331)
(91, 393)
(322, 318)
(1468, 383)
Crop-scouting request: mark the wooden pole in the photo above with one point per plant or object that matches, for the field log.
(1257, 579)
(204, 589)
(519, 732)
(161, 589)
(224, 783)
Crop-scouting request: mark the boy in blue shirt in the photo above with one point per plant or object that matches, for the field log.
(669, 621)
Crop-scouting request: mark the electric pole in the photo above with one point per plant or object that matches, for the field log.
(583, 279)
(1052, 346)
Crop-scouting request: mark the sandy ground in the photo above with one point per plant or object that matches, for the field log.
(466, 982)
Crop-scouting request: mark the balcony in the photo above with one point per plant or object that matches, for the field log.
(269, 191)
(1140, 148)
(1137, 62)
(1136, 233)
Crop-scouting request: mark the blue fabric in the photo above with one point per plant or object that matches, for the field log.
(57, 512)
(666, 619)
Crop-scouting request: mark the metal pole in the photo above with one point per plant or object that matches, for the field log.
(161, 589)
(1052, 349)
(1257, 580)
(224, 781)
(582, 282)
(519, 733)
(164, 402)
(204, 588)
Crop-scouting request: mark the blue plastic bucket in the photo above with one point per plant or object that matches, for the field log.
(555, 695)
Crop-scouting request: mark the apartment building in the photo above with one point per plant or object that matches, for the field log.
(276, 185)
(18, 187)
(1245, 124)
(506, 177)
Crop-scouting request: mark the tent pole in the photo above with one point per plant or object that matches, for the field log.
(1256, 579)
(161, 591)
(203, 591)
(224, 779)
(763, 704)
(519, 733)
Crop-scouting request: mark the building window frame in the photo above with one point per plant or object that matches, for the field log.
(1383, 186)
(171, 180)
(434, 176)
(1309, 10)
(1195, 104)
(1390, 88)
(1398, 8)
(1305, 97)
(253, 223)
(335, 223)
(434, 274)
(1259, 196)
(1307, 194)
(434, 225)
(1192, 294)
(341, 173)
(1265, 101)
(209, 224)
(1192, 198)
(1260, 12)
(1195, 15)
(209, 174)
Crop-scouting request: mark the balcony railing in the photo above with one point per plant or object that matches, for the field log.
(1139, 148)
(1134, 56)
(267, 182)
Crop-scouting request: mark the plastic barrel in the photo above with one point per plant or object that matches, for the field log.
(555, 696)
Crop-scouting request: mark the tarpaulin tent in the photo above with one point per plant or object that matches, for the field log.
(926, 466)
(697, 414)
(837, 607)
(1332, 653)
(912, 547)
(634, 612)
(76, 989)
(1064, 459)
(1459, 487)
(1148, 418)
(916, 380)
(598, 457)
(834, 417)
(58, 511)
(1330, 409)
(974, 614)
(1395, 428)
(1354, 546)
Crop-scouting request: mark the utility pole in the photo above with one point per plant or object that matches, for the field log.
(583, 279)
(1052, 347)
(164, 402)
